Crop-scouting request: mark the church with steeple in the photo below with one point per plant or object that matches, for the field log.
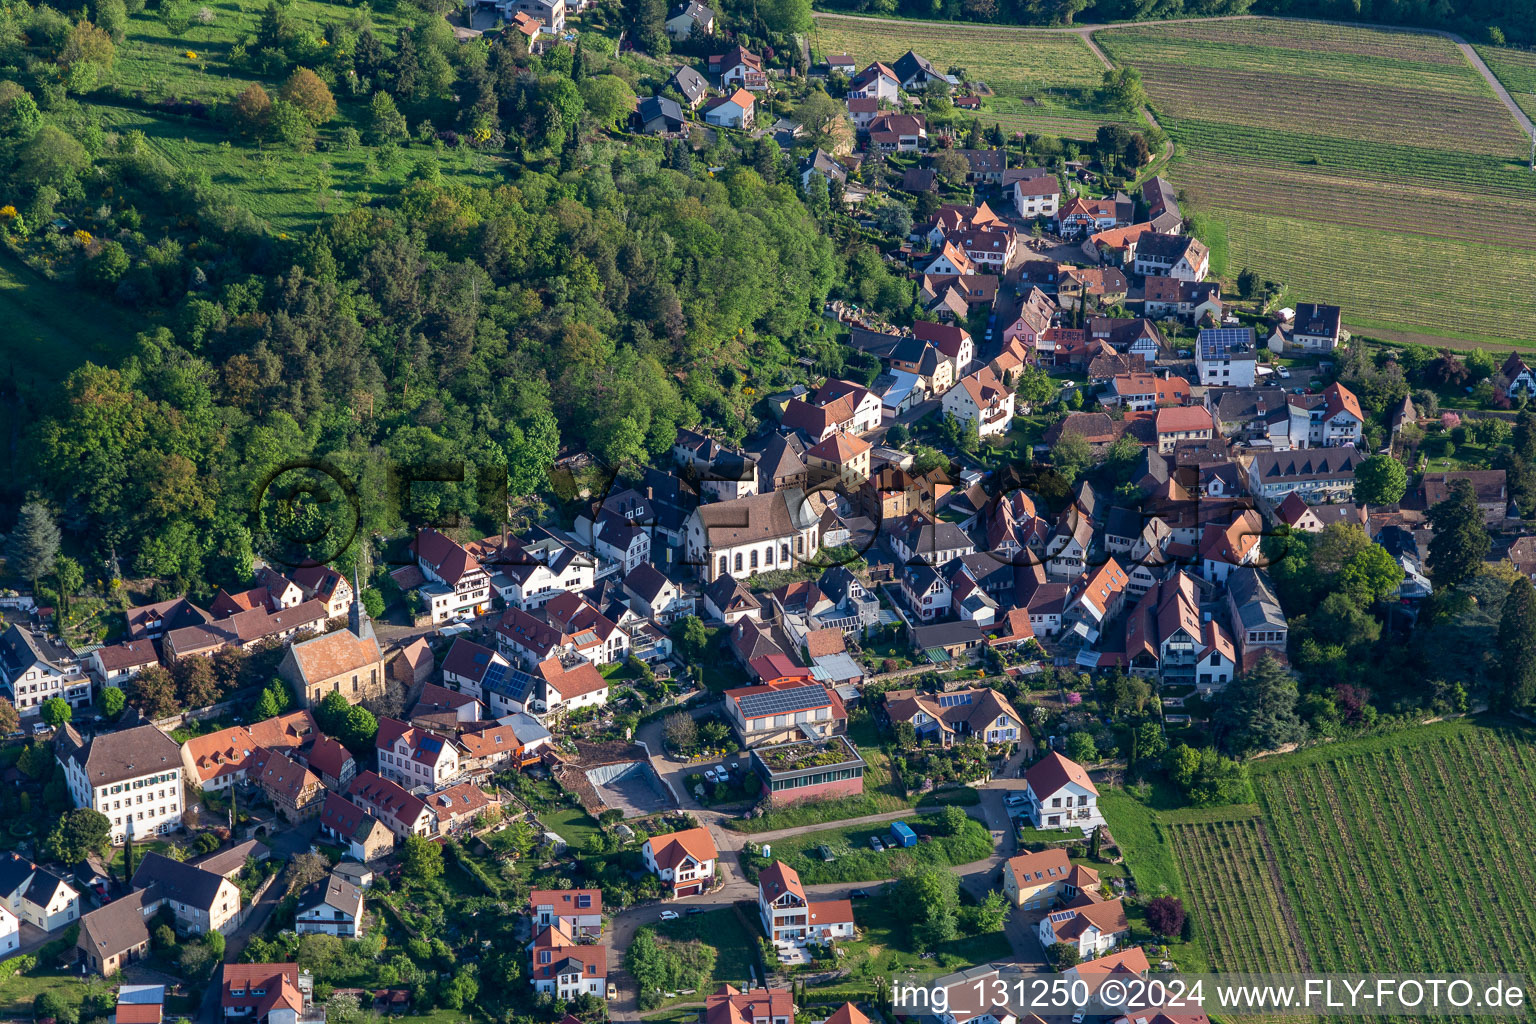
(347, 661)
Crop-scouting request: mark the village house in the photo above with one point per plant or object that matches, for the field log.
(332, 906)
(218, 760)
(36, 667)
(1226, 356)
(404, 814)
(1522, 379)
(564, 969)
(568, 687)
(915, 72)
(578, 911)
(244, 629)
(734, 111)
(269, 993)
(1322, 474)
(201, 901)
(460, 587)
(923, 538)
(1141, 391)
(1180, 257)
(324, 584)
(133, 776)
(295, 791)
(115, 664)
(1093, 926)
(1059, 794)
(415, 758)
(364, 836)
(729, 1005)
(684, 860)
(950, 717)
(726, 600)
(1174, 425)
(876, 83)
(1257, 618)
(1167, 639)
(788, 705)
(36, 895)
(898, 133)
(1312, 328)
(1489, 486)
(843, 458)
(790, 918)
(739, 68)
(983, 400)
(654, 596)
(1037, 196)
(116, 934)
(152, 621)
(687, 18)
(1038, 881)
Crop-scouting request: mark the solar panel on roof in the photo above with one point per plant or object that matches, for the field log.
(783, 702)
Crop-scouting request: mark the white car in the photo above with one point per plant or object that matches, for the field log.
(669, 915)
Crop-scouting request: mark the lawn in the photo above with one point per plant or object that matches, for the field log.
(1306, 144)
(1404, 852)
(52, 327)
(1043, 83)
(854, 861)
(884, 946)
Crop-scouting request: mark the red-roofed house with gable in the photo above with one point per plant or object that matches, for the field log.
(459, 587)
(403, 813)
(1059, 794)
(983, 399)
(564, 968)
(1038, 881)
(578, 911)
(1337, 420)
(1093, 926)
(684, 860)
(790, 918)
(414, 757)
(1182, 423)
(267, 994)
(730, 1005)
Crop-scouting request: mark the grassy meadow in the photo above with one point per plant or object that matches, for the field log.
(1310, 142)
(1043, 82)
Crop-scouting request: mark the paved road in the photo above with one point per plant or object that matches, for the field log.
(977, 878)
(285, 845)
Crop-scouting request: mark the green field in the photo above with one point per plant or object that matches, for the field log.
(1407, 852)
(53, 327)
(1043, 82)
(854, 861)
(1310, 142)
(732, 934)
(1517, 70)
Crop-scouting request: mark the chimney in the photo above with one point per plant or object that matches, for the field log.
(648, 494)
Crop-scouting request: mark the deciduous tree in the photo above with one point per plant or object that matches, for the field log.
(1380, 480)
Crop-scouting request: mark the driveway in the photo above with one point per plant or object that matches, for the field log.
(285, 845)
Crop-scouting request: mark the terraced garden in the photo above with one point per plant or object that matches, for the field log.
(1044, 82)
(1310, 141)
(1408, 852)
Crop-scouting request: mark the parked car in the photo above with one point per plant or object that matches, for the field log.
(859, 894)
(669, 915)
(695, 910)
(875, 844)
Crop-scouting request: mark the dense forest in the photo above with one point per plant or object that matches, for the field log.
(1481, 21)
(583, 291)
